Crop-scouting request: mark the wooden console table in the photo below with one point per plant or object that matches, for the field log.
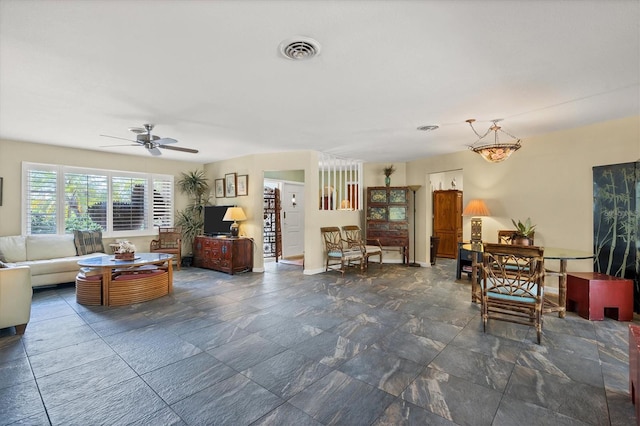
(224, 254)
(124, 282)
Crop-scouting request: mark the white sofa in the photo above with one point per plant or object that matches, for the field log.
(15, 297)
(52, 259)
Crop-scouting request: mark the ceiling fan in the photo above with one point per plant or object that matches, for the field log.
(151, 142)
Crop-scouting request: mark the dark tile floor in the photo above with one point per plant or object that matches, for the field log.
(396, 345)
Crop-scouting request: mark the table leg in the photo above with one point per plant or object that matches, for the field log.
(106, 282)
(562, 289)
(475, 296)
(170, 276)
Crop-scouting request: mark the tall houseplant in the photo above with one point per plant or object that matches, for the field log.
(195, 185)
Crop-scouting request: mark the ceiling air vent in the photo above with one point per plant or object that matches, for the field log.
(429, 127)
(299, 48)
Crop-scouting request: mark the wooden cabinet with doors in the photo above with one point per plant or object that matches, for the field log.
(223, 254)
(447, 221)
(387, 217)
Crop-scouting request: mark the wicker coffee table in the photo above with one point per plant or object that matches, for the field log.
(124, 282)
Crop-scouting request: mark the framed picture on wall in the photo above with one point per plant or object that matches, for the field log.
(219, 188)
(243, 182)
(230, 185)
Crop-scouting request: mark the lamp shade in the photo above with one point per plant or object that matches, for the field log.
(476, 208)
(234, 214)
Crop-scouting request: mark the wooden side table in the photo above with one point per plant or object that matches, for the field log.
(594, 295)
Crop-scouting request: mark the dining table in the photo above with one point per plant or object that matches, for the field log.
(550, 253)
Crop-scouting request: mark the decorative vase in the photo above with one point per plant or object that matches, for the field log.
(387, 180)
(125, 256)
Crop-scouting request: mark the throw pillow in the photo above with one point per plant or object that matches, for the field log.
(88, 242)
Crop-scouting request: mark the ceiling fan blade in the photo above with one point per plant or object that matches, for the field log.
(163, 141)
(154, 151)
(116, 137)
(179, 148)
(125, 144)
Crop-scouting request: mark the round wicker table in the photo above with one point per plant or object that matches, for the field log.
(123, 282)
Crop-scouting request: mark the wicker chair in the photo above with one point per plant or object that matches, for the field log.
(169, 241)
(353, 237)
(337, 251)
(513, 284)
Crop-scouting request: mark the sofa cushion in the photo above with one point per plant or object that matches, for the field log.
(13, 249)
(50, 246)
(88, 242)
(55, 266)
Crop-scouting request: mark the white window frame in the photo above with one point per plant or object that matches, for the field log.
(150, 178)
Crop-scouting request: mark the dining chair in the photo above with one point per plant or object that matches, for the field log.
(337, 251)
(353, 238)
(169, 241)
(513, 285)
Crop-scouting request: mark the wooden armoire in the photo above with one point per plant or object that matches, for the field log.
(447, 221)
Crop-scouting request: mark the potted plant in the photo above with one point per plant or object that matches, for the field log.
(191, 220)
(524, 232)
(388, 171)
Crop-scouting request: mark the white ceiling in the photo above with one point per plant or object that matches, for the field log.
(209, 74)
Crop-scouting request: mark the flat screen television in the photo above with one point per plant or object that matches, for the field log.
(213, 223)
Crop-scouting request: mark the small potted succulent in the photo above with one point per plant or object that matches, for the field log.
(388, 171)
(524, 232)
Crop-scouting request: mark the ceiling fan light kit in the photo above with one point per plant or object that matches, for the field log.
(493, 152)
(152, 142)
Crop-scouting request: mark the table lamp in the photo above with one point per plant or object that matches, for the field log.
(476, 208)
(234, 214)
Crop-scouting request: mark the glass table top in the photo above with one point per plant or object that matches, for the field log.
(549, 252)
(110, 260)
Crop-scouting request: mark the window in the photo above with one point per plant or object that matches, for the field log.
(340, 183)
(59, 199)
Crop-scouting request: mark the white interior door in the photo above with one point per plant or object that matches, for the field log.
(292, 219)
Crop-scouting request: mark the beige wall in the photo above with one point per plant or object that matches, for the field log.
(549, 180)
(255, 166)
(12, 154)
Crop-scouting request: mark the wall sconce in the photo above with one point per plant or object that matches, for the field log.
(293, 200)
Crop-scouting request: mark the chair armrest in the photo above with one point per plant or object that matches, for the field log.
(154, 245)
(15, 295)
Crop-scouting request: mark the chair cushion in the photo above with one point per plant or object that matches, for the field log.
(125, 277)
(516, 295)
(347, 254)
(88, 242)
(502, 296)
